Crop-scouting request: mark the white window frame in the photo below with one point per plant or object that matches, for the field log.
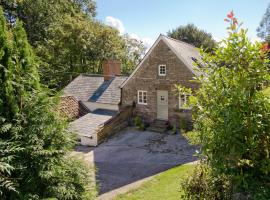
(161, 74)
(182, 104)
(142, 93)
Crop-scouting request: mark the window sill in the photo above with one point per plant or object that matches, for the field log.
(143, 104)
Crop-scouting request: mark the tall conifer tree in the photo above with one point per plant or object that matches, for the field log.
(36, 165)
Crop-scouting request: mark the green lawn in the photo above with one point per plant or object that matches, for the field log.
(267, 91)
(163, 186)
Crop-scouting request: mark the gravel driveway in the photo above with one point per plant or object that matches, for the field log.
(132, 155)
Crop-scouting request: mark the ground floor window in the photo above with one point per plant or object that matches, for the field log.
(183, 101)
(142, 97)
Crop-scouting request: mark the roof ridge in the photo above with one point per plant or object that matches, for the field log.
(99, 75)
(170, 38)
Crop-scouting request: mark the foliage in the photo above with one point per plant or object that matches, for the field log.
(33, 138)
(183, 125)
(172, 129)
(134, 50)
(202, 184)
(77, 45)
(180, 90)
(68, 40)
(139, 123)
(264, 28)
(231, 113)
(76, 177)
(194, 36)
(266, 91)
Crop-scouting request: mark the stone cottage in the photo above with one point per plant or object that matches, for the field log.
(151, 86)
(107, 101)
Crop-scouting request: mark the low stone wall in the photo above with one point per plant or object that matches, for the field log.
(71, 108)
(115, 124)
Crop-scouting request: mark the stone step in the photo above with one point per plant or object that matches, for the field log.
(157, 129)
(159, 121)
(159, 126)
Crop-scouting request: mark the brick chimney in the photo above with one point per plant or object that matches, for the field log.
(111, 68)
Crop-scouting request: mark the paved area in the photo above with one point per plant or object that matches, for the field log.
(132, 155)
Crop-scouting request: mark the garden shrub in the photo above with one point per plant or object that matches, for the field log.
(203, 184)
(139, 123)
(232, 115)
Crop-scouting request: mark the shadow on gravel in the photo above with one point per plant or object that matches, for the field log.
(132, 155)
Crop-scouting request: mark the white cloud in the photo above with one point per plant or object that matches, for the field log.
(134, 36)
(115, 23)
(147, 42)
(118, 24)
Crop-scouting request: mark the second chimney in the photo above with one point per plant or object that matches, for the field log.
(111, 68)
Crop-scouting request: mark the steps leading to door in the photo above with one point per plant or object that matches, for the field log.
(159, 126)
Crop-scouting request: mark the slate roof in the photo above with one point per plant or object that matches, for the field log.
(88, 125)
(93, 88)
(188, 53)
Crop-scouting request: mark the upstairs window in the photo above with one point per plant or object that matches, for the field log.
(162, 70)
(183, 101)
(142, 97)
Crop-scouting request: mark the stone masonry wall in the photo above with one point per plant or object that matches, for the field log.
(147, 78)
(115, 124)
(71, 108)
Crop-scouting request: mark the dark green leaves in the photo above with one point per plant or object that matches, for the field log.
(232, 115)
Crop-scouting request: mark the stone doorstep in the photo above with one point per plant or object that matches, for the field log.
(156, 129)
(158, 126)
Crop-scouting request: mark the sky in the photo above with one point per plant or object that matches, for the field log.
(146, 19)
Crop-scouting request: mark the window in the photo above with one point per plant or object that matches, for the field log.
(162, 98)
(183, 101)
(142, 97)
(162, 70)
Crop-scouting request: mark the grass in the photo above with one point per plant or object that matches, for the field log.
(163, 186)
(267, 91)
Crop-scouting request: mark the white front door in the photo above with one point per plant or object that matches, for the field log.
(162, 104)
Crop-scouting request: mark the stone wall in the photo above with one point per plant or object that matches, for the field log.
(71, 108)
(115, 124)
(148, 79)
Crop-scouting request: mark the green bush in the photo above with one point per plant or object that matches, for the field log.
(232, 114)
(183, 125)
(203, 184)
(34, 143)
(139, 123)
(172, 129)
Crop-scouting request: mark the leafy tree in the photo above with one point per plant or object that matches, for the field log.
(7, 148)
(134, 51)
(193, 35)
(264, 28)
(34, 144)
(66, 37)
(231, 113)
(76, 45)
